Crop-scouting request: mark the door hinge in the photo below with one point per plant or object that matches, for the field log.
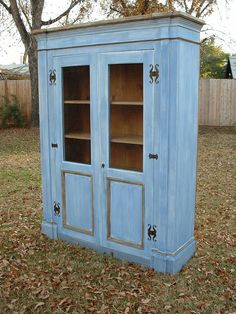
(153, 156)
(57, 209)
(52, 77)
(154, 73)
(152, 232)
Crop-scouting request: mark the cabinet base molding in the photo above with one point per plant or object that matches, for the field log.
(165, 263)
(49, 229)
(102, 249)
(172, 263)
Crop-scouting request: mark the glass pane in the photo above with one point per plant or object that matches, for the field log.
(77, 114)
(126, 116)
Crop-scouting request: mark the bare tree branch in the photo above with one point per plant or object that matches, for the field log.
(115, 9)
(19, 23)
(185, 6)
(202, 9)
(193, 6)
(72, 5)
(25, 15)
(169, 5)
(124, 6)
(36, 13)
(8, 8)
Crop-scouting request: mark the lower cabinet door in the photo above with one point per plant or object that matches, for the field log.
(77, 202)
(125, 213)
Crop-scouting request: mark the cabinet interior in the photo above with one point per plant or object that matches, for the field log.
(126, 116)
(76, 82)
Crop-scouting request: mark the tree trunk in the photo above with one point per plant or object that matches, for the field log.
(33, 68)
(25, 57)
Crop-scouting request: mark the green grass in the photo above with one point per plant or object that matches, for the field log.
(40, 275)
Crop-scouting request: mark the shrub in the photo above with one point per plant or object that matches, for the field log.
(10, 113)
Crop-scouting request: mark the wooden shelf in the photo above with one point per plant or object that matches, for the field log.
(77, 102)
(78, 135)
(127, 103)
(128, 139)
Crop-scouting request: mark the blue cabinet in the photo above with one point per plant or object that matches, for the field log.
(118, 125)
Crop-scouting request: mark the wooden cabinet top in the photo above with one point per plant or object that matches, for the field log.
(156, 17)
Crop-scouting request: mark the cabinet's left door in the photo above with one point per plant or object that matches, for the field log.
(74, 123)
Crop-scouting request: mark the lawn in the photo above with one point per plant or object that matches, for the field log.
(40, 275)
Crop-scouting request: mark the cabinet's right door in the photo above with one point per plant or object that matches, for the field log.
(127, 97)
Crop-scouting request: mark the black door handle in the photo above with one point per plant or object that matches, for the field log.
(153, 156)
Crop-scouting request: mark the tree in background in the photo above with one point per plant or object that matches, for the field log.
(26, 16)
(213, 59)
(131, 8)
(198, 8)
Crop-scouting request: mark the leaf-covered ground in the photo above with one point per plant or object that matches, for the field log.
(39, 275)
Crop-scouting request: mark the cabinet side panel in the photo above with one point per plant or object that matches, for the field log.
(44, 136)
(172, 144)
(186, 136)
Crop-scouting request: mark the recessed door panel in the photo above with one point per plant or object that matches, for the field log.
(125, 212)
(78, 202)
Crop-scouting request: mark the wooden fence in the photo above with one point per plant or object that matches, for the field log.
(217, 100)
(22, 90)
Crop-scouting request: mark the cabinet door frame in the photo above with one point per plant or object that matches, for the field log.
(63, 167)
(145, 178)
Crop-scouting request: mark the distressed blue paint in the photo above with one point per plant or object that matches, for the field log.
(78, 201)
(48, 217)
(138, 177)
(130, 32)
(49, 229)
(148, 180)
(126, 212)
(94, 125)
(173, 264)
(170, 130)
(160, 143)
(187, 115)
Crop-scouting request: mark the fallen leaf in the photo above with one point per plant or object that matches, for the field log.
(38, 305)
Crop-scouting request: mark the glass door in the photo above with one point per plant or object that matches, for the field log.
(126, 107)
(75, 162)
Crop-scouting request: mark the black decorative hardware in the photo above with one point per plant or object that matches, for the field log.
(52, 77)
(154, 73)
(153, 156)
(103, 165)
(57, 209)
(54, 145)
(152, 232)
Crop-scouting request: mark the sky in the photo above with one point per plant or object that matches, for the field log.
(221, 23)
